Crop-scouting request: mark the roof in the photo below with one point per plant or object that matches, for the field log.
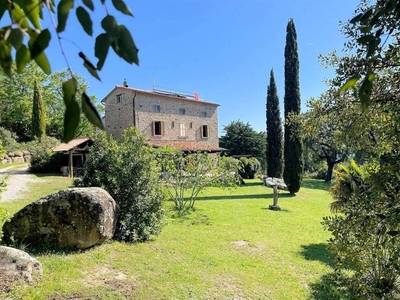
(170, 95)
(186, 146)
(71, 144)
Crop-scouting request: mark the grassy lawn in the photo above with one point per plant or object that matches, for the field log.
(231, 247)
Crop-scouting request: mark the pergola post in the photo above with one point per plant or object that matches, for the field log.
(71, 164)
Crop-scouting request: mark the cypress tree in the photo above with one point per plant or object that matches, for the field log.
(293, 152)
(38, 114)
(274, 131)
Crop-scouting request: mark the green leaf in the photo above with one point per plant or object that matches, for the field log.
(125, 47)
(69, 88)
(393, 232)
(349, 83)
(121, 6)
(22, 58)
(89, 66)
(3, 7)
(91, 112)
(15, 38)
(71, 120)
(110, 25)
(372, 46)
(365, 39)
(85, 20)
(364, 18)
(63, 9)
(101, 49)
(40, 43)
(356, 19)
(42, 61)
(88, 4)
(18, 15)
(365, 91)
(32, 10)
(5, 57)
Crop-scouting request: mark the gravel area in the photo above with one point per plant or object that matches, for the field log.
(18, 178)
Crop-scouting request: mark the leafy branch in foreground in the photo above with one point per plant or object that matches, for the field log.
(374, 32)
(25, 35)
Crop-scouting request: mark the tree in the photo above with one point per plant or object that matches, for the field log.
(38, 114)
(366, 233)
(16, 102)
(242, 139)
(274, 131)
(187, 174)
(25, 21)
(127, 169)
(320, 131)
(293, 152)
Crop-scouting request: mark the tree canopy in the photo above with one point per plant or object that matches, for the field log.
(274, 131)
(293, 152)
(241, 139)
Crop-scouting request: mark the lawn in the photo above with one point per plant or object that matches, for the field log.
(230, 247)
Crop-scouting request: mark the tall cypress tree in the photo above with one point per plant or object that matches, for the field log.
(293, 152)
(38, 114)
(274, 131)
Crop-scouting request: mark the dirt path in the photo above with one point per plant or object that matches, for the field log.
(18, 178)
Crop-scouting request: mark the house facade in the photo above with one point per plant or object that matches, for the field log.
(180, 121)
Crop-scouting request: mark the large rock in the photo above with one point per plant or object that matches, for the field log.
(70, 218)
(17, 266)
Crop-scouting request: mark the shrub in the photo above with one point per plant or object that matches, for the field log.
(249, 167)
(44, 160)
(366, 230)
(128, 171)
(187, 174)
(4, 217)
(9, 140)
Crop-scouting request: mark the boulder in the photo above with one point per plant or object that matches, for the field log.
(26, 152)
(10, 154)
(272, 181)
(17, 159)
(17, 266)
(27, 158)
(19, 154)
(71, 218)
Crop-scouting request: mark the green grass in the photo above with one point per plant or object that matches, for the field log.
(230, 247)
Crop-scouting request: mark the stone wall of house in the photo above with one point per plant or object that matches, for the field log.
(123, 104)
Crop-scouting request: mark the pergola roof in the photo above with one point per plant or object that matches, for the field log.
(71, 144)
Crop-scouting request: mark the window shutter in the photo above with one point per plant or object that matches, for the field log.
(208, 131)
(162, 127)
(153, 128)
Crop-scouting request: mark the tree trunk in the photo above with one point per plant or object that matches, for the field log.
(328, 177)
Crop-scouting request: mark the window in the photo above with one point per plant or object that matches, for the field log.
(182, 129)
(204, 114)
(156, 108)
(158, 128)
(205, 133)
(119, 98)
(182, 111)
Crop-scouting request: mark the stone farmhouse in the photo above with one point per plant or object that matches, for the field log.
(165, 118)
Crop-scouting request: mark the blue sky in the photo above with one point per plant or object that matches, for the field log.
(223, 50)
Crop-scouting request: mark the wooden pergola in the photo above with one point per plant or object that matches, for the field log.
(76, 147)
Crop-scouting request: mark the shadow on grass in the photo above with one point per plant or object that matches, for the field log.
(252, 183)
(316, 184)
(243, 197)
(318, 252)
(329, 287)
